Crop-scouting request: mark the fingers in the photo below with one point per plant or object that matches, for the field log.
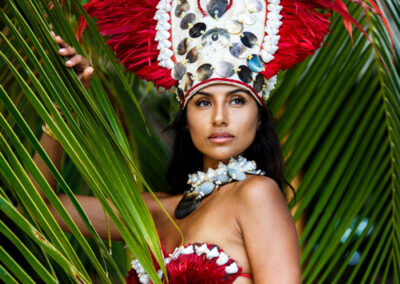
(67, 51)
(58, 40)
(86, 77)
(79, 63)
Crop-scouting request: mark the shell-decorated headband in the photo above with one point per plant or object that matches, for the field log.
(191, 44)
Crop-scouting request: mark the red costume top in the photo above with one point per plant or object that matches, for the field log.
(193, 263)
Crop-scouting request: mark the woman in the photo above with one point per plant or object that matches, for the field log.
(223, 57)
(248, 219)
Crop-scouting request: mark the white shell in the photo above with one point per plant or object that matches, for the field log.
(272, 39)
(168, 63)
(137, 266)
(274, 8)
(247, 19)
(163, 26)
(266, 56)
(270, 48)
(271, 30)
(176, 253)
(212, 253)
(166, 52)
(164, 44)
(202, 249)
(187, 250)
(144, 278)
(222, 259)
(162, 35)
(274, 16)
(276, 2)
(210, 174)
(161, 15)
(232, 268)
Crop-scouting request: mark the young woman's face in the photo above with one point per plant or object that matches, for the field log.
(222, 121)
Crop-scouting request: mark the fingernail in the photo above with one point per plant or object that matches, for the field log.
(69, 62)
(62, 50)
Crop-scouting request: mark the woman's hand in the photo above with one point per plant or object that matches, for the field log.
(80, 64)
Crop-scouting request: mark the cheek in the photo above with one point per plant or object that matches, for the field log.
(247, 126)
(196, 124)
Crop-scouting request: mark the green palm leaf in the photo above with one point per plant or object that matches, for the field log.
(338, 117)
(340, 125)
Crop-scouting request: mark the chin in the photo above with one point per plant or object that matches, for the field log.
(222, 154)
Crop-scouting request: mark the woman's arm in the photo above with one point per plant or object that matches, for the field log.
(269, 233)
(53, 148)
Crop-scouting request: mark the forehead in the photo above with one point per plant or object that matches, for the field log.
(221, 89)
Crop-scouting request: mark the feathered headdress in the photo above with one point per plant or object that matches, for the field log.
(191, 44)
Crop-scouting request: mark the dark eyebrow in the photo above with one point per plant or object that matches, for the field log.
(229, 93)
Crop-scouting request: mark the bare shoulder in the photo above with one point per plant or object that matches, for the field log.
(267, 226)
(259, 190)
(261, 201)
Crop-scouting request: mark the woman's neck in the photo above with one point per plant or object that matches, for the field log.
(209, 162)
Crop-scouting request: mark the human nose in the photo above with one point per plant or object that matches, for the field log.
(220, 115)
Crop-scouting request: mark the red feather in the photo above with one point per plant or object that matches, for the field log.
(130, 26)
(301, 33)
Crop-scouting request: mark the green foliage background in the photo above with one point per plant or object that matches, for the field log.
(338, 117)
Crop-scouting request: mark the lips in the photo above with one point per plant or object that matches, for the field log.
(220, 137)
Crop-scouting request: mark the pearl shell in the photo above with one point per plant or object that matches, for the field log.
(187, 205)
(238, 50)
(178, 71)
(224, 69)
(236, 174)
(180, 94)
(217, 8)
(204, 72)
(197, 30)
(189, 18)
(206, 187)
(249, 39)
(187, 81)
(253, 6)
(258, 83)
(182, 8)
(234, 27)
(247, 19)
(255, 63)
(245, 74)
(215, 39)
(193, 54)
(182, 47)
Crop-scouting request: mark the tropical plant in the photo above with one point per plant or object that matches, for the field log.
(338, 116)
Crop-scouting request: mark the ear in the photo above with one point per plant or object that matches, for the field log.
(259, 124)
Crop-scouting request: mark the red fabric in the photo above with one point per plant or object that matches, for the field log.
(194, 269)
(246, 275)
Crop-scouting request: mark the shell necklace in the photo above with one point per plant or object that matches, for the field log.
(203, 184)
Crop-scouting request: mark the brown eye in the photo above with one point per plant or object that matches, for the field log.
(238, 100)
(202, 102)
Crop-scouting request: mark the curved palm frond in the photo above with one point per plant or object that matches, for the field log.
(340, 126)
(338, 117)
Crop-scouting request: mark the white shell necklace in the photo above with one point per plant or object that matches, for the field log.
(203, 184)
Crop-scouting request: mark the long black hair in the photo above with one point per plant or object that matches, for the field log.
(186, 159)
